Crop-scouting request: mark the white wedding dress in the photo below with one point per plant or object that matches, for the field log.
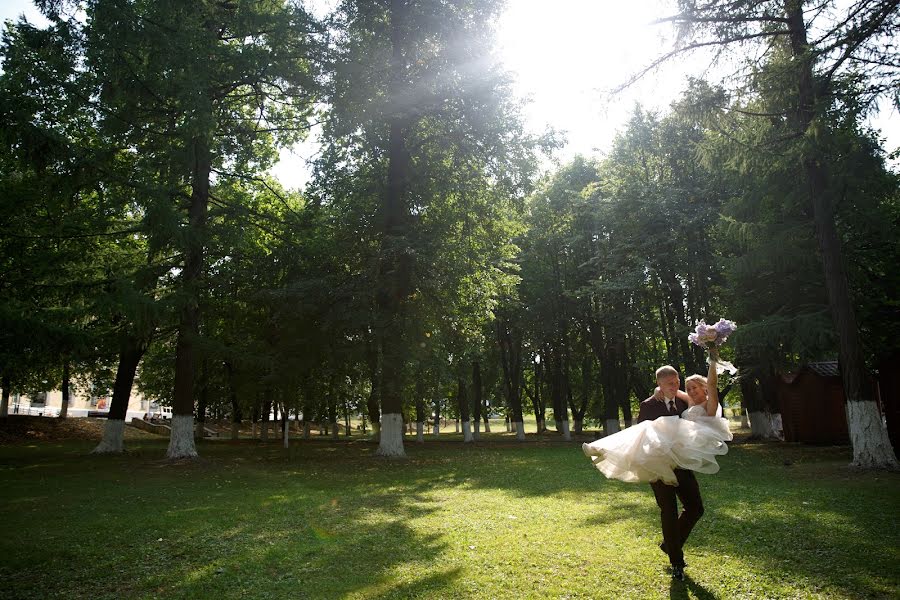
(650, 450)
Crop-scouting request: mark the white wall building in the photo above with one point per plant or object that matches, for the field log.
(80, 405)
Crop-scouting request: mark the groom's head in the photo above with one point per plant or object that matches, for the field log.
(668, 381)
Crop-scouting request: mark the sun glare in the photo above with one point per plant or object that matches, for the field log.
(569, 55)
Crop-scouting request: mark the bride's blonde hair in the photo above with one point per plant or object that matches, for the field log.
(698, 378)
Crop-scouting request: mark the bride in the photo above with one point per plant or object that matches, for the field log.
(650, 450)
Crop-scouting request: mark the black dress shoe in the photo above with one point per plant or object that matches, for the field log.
(678, 573)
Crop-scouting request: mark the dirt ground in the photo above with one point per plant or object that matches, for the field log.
(24, 428)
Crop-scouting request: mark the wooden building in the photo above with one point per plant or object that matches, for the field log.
(812, 405)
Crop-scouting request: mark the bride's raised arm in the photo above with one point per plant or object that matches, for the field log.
(712, 384)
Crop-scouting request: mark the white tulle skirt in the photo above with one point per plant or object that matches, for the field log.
(650, 450)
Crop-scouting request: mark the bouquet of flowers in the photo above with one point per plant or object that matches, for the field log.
(709, 337)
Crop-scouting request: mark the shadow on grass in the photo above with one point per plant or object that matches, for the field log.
(683, 590)
(328, 520)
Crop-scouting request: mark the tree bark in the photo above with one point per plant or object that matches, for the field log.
(129, 357)
(463, 401)
(236, 413)
(264, 415)
(437, 414)
(64, 406)
(189, 321)
(580, 408)
(871, 445)
(396, 260)
(202, 399)
(509, 339)
(758, 410)
(476, 398)
(4, 399)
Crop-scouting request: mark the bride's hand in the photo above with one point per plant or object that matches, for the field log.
(657, 393)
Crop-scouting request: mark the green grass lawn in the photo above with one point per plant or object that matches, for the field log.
(494, 520)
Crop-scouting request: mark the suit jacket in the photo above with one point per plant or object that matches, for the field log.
(651, 409)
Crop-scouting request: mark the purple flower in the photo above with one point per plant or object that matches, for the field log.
(707, 336)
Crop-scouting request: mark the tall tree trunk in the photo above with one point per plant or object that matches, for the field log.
(114, 430)
(558, 395)
(669, 329)
(437, 414)
(580, 408)
(540, 407)
(347, 424)
(463, 402)
(181, 441)
(374, 400)
(509, 339)
(420, 407)
(761, 417)
(4, 400)
(476, 398)
(264, 414)
(396, 260)
(236, 413)
(332, 408)
(64, 406)
(869, 437)
(202, 401)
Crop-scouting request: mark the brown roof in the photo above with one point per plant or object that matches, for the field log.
(827, 368)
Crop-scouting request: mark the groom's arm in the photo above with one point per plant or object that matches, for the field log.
(644, 412)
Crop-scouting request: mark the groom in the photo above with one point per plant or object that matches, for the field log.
(675, 528)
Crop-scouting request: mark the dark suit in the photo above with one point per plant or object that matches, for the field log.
(675, 528)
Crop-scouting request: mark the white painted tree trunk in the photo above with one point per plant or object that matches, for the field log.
(287, 434)
(391, 439)
(235, 430)
(113, 441)
(761, 425)
(869, 437)
(508, 426)
(745, 422)
(181, 440)
(565, 430)
(64, 408)
(476, 431)
(305, 430)
(437, 428)
(612, 426)
(467, 431)
(420, 432)
(520, 431)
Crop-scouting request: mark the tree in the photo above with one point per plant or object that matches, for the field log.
(200, 90)
(822, 51)
(420, 138)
